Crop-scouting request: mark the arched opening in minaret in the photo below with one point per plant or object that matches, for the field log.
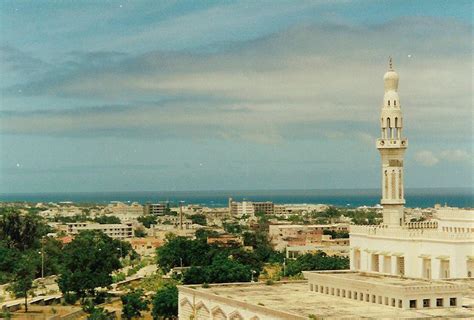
(385, 195)
(393, 185)
(389, 129)
(400, 185)
(388, 103)
(395, 103)
(396, 128)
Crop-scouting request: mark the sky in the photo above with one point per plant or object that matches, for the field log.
(229, 95)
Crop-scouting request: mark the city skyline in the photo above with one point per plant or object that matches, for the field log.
(211, 96)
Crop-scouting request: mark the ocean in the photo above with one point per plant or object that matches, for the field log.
(422, 197)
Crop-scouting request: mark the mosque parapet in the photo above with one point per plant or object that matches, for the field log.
(406, 233)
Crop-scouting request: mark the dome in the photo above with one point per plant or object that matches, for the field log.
(390, 80)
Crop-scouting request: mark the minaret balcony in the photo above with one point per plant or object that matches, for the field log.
(392, 143)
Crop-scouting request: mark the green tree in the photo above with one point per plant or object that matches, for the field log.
(139, 232)
(88, 262)
(232, 227)
(199, 219)
(317, 261)
(203, 234)
(165, 302)
(133, 304)
(20, 231)
(95, 313)
(336, 234)
(147, 220)
(332, 213)
(24, 275)
(107, 220)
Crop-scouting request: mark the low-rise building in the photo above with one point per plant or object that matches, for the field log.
(115, 231)
(283, 235)
(145, 246)
(157, 209)
(225, 240)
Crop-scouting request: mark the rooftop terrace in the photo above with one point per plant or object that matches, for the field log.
(295, 299)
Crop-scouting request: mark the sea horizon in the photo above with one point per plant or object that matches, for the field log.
(344, 197)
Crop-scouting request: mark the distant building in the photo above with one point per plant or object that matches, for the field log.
(123, 210)
(266, 207)
(145, 246)
(225, 240)
(249, 208)
(115, 231)
(157, 209)
(283, 235)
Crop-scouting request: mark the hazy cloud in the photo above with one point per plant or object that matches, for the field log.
(428, 158)
(306, 74)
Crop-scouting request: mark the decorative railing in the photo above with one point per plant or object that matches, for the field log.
(422, 225)
(384, 231)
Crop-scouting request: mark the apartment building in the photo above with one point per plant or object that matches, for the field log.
(115, 231)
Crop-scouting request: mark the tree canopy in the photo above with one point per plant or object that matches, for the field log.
(88, 262)
(317, 261)
(133, 304)
(165, 302)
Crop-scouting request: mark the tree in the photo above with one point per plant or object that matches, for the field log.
(203, 234)
(234, 228)
(20, 231)
(147, 220)
(199, 219)
(107, 220)
(24, 275)
(88, 262)
(165, 302)
(332, 213)
(336, 234)
(139, 232)
(133, 303)
(95, 313)
(317, 261)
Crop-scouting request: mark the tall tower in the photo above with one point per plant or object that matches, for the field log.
(392, 148)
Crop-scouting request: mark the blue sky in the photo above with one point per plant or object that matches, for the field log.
(207, 95)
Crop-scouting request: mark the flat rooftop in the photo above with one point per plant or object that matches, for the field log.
(296, 299)
(385, 280)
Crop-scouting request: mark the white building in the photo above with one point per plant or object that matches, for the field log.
(442, 248)
(115, 231)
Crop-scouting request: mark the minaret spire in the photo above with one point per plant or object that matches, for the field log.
(392, 146)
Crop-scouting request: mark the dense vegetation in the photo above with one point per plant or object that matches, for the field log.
(317, 261)
(82, 265)
(88, 262)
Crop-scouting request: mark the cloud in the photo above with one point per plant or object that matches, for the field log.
(456, 155)
(311, 78)
(426, 158)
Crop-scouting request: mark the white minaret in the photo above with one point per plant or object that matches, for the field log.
(392, 147)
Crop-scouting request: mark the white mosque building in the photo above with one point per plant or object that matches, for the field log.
(438, 249)
(397, 269)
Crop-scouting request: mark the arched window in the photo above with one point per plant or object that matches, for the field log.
(389, 103)
(393, 185)
(396, 122)
(394, 102)
(400, 185)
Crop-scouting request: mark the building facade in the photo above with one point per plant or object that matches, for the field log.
(441, 248)
(115, 231)
(157, 209)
